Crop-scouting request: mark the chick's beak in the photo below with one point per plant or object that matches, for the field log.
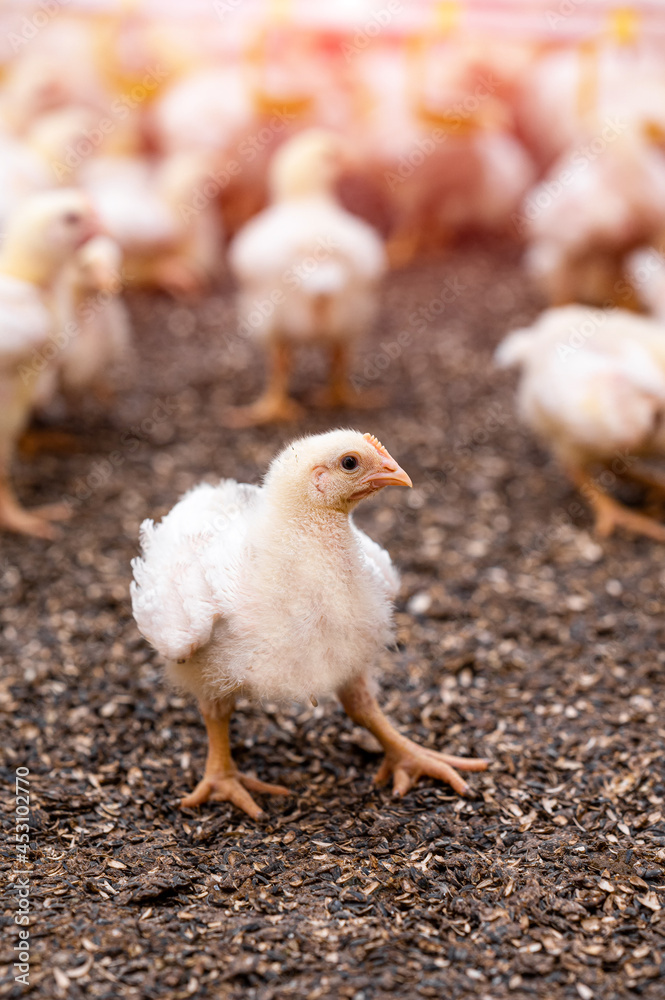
(93, 227)
(390, 474)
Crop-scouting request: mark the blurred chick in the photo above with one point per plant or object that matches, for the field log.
(308, 273)
(44, 233)
(442, 148)
(22, 172)
(589, 212)
(160, 216)
(209, 594)
(90, 300)
(593, 388)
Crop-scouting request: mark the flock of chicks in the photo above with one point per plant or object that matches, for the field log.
(208, 589)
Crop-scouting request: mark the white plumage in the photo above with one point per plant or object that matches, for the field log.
(167, 228)
(25, 325)
(593, 388)
(95, 322)
(307, 269)
(592, 209)
(274, 592)
(42, 235)
(324, 264)
(210, 574)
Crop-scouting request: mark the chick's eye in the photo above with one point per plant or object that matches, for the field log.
(349, 463)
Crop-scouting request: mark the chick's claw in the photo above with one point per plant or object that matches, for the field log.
(232, 788)
(409, 762)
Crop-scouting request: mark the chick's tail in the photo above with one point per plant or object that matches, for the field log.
(322, 286)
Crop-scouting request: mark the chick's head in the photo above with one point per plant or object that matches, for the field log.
(308, 164)
(333, 472)
(45, 231)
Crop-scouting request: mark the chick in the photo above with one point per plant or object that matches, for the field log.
(308, 272)
(92, 283)
(170, 240)
(209, 594)
(590, 211)
(44, 233)
(436, 136)
(22, 173)
(593, 388)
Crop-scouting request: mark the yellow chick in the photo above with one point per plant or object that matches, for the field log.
(44, 233)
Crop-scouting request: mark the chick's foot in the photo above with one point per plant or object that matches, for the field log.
(13, 517)
(339, 393)
(268, 409)
(609, 513)
(343, 396)
(405, 760)
(221, 781)
(233, 788)
(177, 278)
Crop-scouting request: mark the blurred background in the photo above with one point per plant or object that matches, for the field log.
(455, 112)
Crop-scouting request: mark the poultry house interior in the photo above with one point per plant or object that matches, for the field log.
(332, 497)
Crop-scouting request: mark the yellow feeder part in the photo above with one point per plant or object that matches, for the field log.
(624, 25)
(447, 16)
(275, 37)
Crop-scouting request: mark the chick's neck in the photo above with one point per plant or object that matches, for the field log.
(27, 264)
(291, 523)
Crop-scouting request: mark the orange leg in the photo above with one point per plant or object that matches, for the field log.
(405, 760)
(339, 393)
(45, 439)
(609, 513)
(646, 477)
(275, 405)
(176, 276)
(13, 517)
(222, 782)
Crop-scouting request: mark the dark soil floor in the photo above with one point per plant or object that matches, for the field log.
(519, 638)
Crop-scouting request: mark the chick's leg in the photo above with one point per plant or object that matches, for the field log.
(643, 476)
(339, 392)
(222, 782)
(13, 517)
(275, 405)
(405, 760)
(609, 513)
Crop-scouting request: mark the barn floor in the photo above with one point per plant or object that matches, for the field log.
(518, 638)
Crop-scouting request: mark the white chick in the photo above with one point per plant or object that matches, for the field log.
(591, 210)
(42, 236)
(209, 109)
(440, 144)
(22, 172)
(308, 273)
(209, 594)
(170, 239)
(212, 109)
(92, 283)
(593, 388)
